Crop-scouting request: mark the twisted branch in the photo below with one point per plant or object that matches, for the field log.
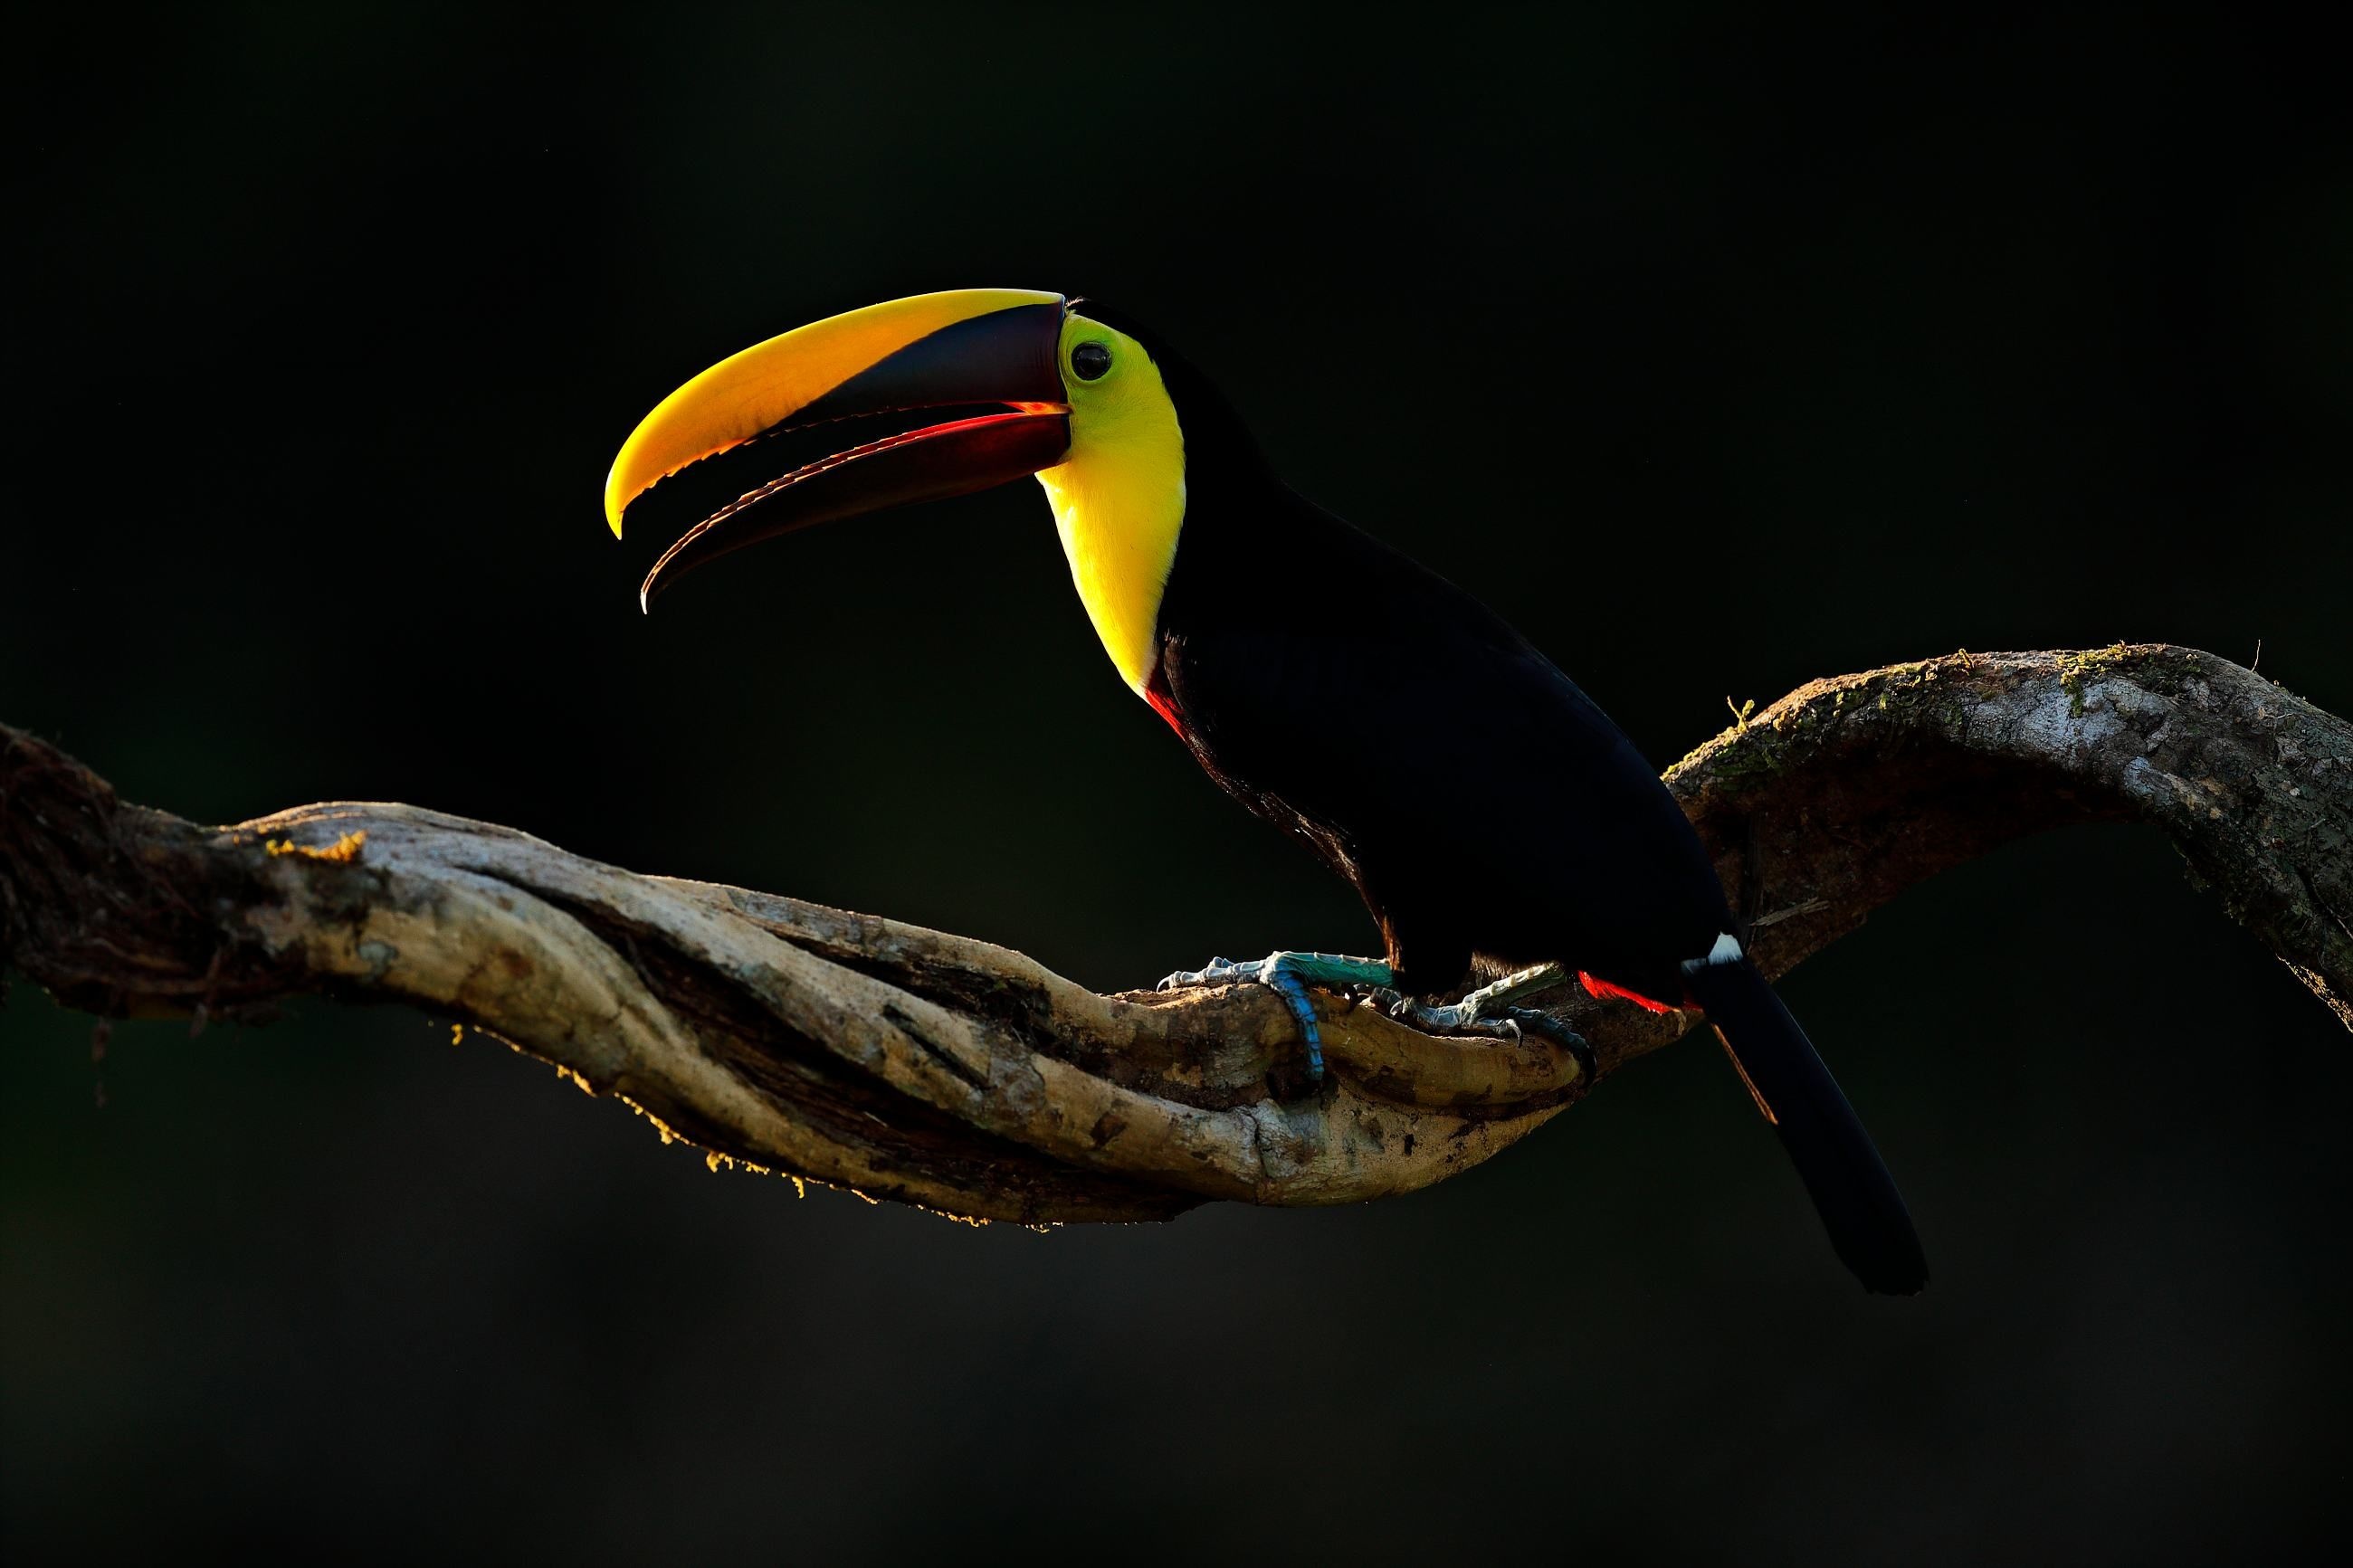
(933, 1069)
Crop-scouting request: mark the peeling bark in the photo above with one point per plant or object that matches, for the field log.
(915, 1064)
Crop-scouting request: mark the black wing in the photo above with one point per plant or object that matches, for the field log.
(1480, 801)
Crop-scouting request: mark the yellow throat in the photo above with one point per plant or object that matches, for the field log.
(1119, 497)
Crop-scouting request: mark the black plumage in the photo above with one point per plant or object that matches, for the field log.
(1486, 809)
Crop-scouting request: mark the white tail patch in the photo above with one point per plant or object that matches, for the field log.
(1726, 951)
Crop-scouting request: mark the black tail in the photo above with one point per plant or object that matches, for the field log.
(1852, 1190)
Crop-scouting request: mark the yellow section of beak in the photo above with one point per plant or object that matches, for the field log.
(745, 393)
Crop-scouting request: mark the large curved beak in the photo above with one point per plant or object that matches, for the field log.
(957, 350)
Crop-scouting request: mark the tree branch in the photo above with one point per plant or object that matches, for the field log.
(915, 1064)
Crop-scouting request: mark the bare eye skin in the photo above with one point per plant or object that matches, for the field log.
(1090, 361)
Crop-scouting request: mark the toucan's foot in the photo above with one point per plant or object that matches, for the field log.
(1489, 1004)
(1490, 1011)
(1288, 975)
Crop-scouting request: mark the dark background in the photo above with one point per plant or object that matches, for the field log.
(1720, 353)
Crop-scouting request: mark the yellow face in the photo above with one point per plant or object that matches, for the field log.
(1119, 496)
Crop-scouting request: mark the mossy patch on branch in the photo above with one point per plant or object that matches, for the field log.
(2076, 670)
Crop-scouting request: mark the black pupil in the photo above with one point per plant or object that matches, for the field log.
(1091, 360)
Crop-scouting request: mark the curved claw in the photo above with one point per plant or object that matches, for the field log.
(1539, 1022)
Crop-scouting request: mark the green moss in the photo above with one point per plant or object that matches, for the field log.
(1743, 758)
(2077, 669)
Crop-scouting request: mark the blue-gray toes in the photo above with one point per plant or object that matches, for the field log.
(1289, 974)
(1217, 971)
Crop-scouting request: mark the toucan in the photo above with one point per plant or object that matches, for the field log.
(1251, 620)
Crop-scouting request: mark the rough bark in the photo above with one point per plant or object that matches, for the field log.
(915, 1064)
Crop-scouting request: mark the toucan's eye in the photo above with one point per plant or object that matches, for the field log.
(1090, 361)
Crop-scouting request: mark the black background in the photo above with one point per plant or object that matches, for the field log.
(1719, 352)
